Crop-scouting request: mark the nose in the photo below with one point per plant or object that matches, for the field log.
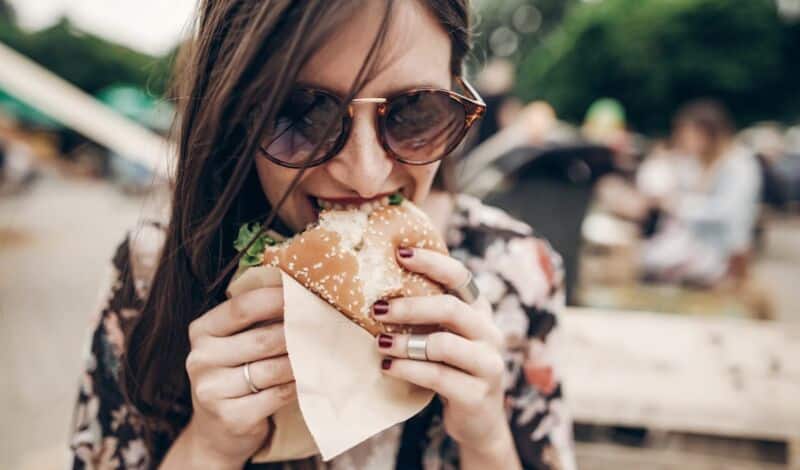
(362, 165)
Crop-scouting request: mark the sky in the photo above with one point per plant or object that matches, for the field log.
(150, 26)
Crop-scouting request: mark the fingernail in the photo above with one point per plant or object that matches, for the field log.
(386, 363)
(384, 341)
(405, 252)
(380, 307)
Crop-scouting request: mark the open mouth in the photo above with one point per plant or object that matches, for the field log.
(320, 204)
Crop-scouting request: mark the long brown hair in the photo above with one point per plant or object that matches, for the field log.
(241, 64)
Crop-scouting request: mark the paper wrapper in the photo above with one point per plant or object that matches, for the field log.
(343, 397)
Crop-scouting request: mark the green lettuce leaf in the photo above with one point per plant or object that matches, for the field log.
(254, 255)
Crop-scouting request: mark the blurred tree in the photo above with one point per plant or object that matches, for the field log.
(511, 27)
(655, 55)
(7, 12)
(87, 61)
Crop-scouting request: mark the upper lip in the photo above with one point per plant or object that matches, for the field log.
(354, 200)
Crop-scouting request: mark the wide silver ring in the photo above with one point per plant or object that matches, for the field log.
(248, 379)
(468, 291)
(417, 347)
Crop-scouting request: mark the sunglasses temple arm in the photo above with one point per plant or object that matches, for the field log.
(474, 93)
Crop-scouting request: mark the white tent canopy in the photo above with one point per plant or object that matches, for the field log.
(77, 110)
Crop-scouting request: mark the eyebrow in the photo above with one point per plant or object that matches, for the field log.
(390, 91)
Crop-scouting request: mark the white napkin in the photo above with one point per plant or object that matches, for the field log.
(343, 397)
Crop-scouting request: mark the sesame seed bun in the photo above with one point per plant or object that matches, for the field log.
(348, 259)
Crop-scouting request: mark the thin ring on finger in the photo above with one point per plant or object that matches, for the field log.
(248, 379)
(444, 269)
(468, 291)
(265, 373)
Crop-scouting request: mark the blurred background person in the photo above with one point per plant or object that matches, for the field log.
(496, 84)
(605, 124)
(708, 217)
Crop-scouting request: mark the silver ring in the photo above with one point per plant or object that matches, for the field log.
(417, 347)
(250, 384)
(468, 291)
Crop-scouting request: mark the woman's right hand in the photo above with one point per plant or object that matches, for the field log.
(229, 423)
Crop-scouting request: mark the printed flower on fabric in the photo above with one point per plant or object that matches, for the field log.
(491, 286)
(135, 454)
(511, 319)
(530, 405)
(114, 334)
(518, 262)
(479, 214)
(538, 368)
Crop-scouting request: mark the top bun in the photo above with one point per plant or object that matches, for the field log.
(348, 259)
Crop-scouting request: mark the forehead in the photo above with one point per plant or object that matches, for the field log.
(416, 52)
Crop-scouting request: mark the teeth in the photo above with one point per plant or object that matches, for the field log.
(367, 206)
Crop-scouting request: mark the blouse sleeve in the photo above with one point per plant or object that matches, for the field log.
(522, 277)
(106, 432)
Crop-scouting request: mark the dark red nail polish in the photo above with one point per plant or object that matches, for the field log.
(405, 252)
(384, 341)
(386, 363)
(380, 307)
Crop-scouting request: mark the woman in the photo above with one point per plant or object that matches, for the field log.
(706, 193)
(268, 124)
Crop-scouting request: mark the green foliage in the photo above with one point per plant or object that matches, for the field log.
(87, 61)
(654, 55)
(6, 11)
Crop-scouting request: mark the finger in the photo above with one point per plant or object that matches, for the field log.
(238, 313)
(473, 357)
(446, 310)
(230, 382)
(251, 410)
(454, 385)
(438, 267)
(248, 346)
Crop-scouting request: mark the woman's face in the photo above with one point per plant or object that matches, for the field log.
(692, 140)
(416, 53)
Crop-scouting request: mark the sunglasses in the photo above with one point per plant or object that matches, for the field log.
(415, 127)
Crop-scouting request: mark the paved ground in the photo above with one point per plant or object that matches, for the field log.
(55, 242)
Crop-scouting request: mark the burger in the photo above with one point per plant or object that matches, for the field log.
(347, 257)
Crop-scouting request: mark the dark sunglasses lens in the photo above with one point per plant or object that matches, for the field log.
(300, 126)
(423, 126)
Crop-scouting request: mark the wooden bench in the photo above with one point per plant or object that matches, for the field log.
(726, 377)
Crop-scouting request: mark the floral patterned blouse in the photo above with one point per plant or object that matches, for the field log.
(518, 273)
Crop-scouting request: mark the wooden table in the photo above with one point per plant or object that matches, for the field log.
(721, 376)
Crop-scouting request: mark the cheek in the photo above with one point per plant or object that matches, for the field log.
(423, 177)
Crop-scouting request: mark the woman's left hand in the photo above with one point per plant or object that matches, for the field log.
(464, 363)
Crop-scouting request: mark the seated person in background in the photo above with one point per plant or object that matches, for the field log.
(605, 124)
(706, 202)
